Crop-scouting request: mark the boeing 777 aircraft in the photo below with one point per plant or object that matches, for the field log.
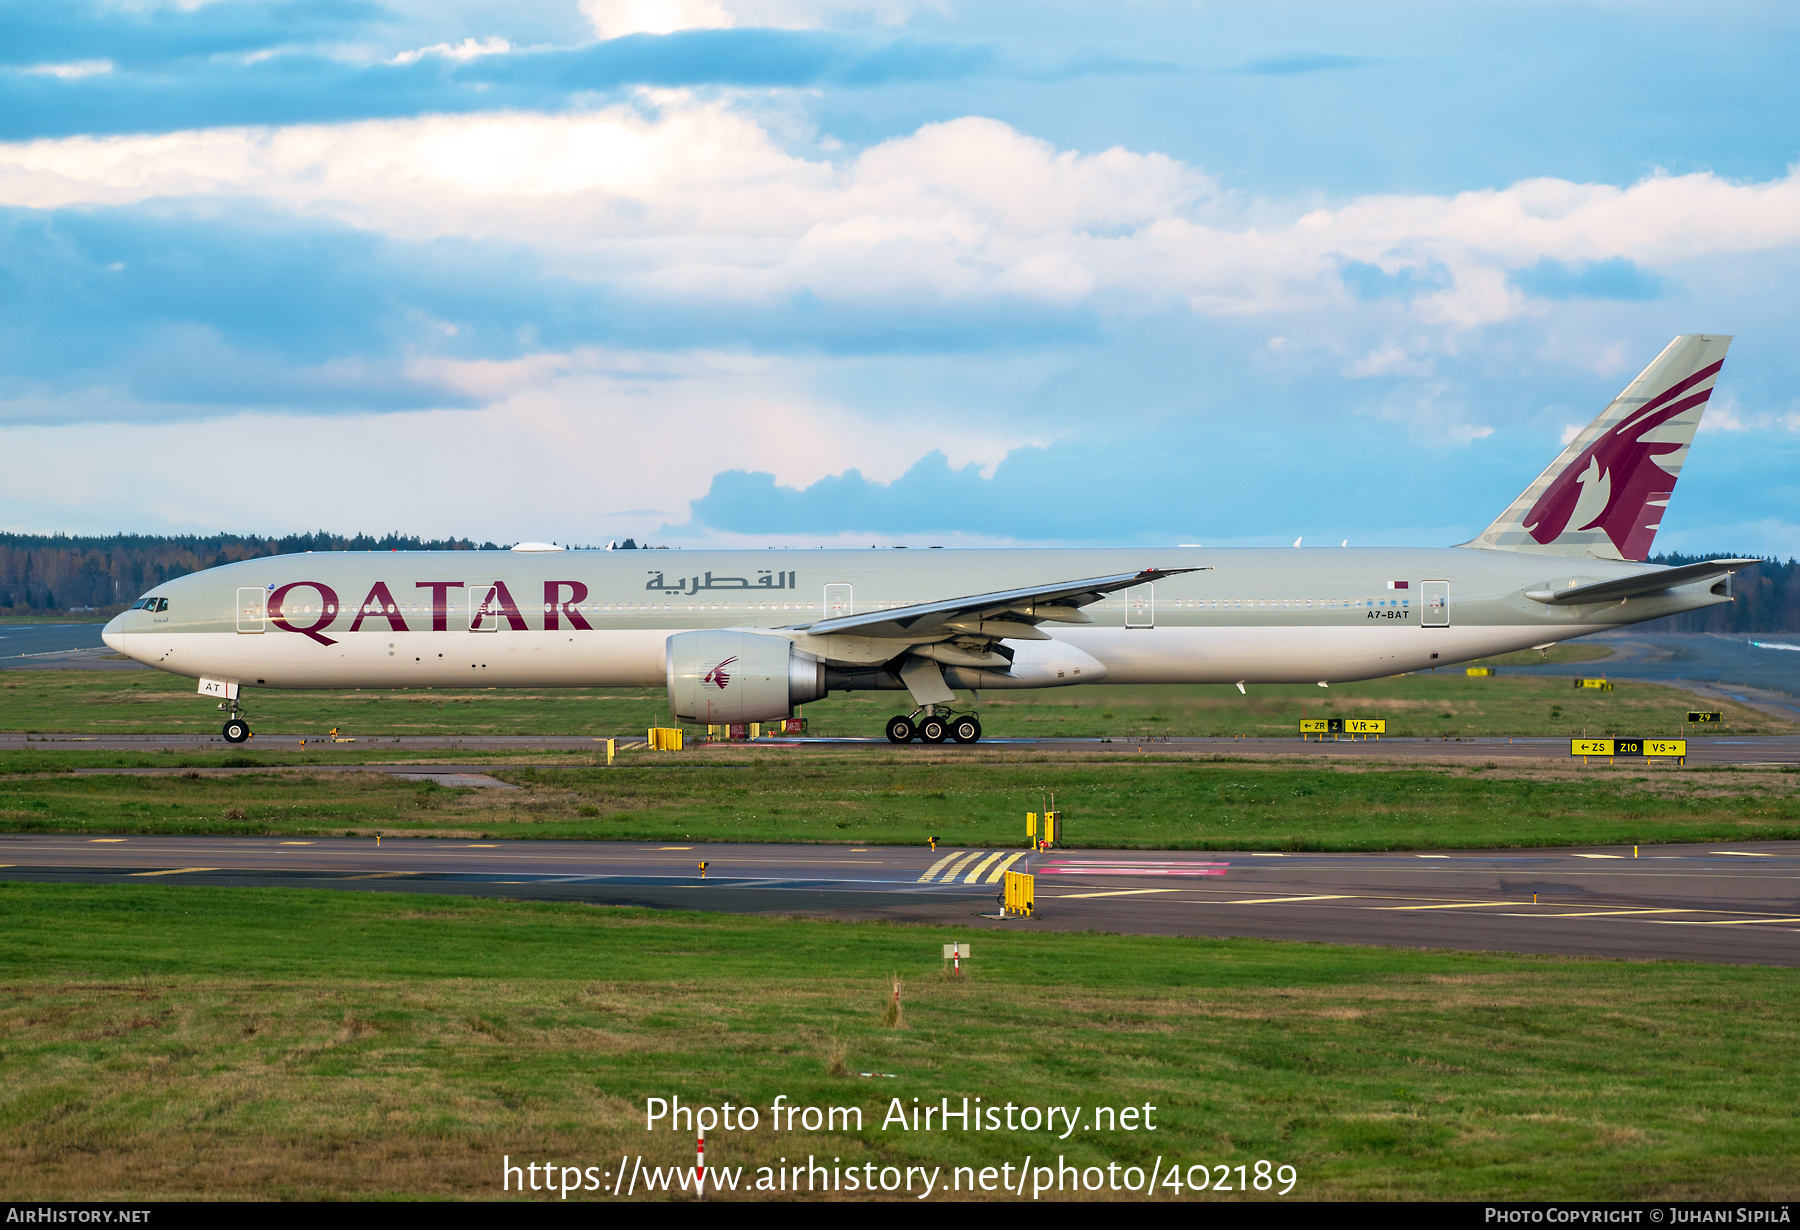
(744, 636)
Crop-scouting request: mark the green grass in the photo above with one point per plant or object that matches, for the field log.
(979, 799)
(1446, 704)
(196, 1042)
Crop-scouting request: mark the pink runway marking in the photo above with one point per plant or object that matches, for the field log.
(1134, 869)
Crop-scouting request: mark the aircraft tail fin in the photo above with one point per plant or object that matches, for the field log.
(1604, 497)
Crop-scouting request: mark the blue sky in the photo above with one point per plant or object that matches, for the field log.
(852, 271)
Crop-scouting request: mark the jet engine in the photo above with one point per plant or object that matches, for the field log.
(729, 676)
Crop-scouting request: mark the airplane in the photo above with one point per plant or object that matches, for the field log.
(739, 636)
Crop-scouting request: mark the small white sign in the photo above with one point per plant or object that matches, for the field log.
(955, 951)
(224, 689)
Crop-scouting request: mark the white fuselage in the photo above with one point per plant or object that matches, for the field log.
(408, 619)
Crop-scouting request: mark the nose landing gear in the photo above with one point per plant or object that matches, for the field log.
(933, 727)
(237, 727)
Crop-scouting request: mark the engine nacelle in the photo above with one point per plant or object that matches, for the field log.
(728, 676)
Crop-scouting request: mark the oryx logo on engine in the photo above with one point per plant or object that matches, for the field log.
(718, 673)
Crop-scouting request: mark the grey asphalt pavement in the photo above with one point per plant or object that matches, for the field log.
(1757, 668)
(1734, 902)
(57, 647)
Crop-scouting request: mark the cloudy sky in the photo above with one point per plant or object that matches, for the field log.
(856, 271)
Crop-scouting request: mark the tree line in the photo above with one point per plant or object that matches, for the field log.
(1767, 599)
(57, 573)
(61, 573)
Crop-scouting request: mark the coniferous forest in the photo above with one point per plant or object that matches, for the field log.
(59, 574)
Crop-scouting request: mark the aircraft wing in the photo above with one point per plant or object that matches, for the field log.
(1641, 583)
(1004, 613)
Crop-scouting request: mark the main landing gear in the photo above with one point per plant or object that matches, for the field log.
(933, 727)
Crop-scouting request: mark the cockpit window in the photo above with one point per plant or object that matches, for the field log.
(149, 604)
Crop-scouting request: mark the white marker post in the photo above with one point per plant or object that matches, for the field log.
(700, 1165)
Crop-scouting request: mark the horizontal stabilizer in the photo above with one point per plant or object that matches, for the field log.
(1641, 583)
(1019, 606)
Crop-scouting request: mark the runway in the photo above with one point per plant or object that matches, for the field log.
(1777, 750)
(1730, 902)
(59, 647)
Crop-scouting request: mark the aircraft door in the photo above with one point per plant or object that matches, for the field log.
(252, 606)
(486, 611)
(838, 601)
(1436, 595)
(1140, 606)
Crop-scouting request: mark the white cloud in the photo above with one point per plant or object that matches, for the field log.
(563, 441)
(468, 49)
(72, 71)
(617, 18)
(687, 197)
(1389, 360)
(1726, 413)
(1430, 413)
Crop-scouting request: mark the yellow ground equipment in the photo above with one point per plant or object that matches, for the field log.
(665, 739)
(1020, 897)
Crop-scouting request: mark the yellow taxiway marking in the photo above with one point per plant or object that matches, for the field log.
(1431, 856)
(996, 873)
(1454, 905)
(1279, 900)
(956, 868)
(488, 846)
(974, 877)
(103, 840)
(1268, 855)
(1602, 913)
(938, 866)
(1744, 853)
(1716, 922)
(862, 851)
(1120, 892)
(173, 871)
(296, 843)
(1599, 856)
(662, 848)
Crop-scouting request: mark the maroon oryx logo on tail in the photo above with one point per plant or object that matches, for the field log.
(718, 674)
(1618, 483)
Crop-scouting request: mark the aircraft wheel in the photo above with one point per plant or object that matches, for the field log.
(237, 730)
(934, 730)
(965, 729)
(900, 730)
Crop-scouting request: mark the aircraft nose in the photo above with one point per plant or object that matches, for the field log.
(110, 634)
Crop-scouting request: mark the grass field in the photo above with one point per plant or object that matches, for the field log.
(975, 799)
(1442, 704)
(196, 1042)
